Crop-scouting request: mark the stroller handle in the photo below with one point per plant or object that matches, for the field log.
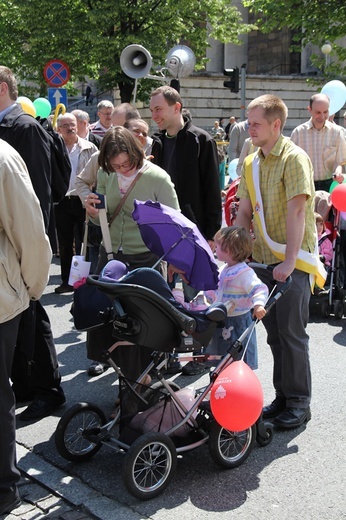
(281, 287)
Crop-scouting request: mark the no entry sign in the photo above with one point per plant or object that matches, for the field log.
(56, 73)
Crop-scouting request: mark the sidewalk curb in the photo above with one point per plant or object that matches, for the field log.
(70, 488)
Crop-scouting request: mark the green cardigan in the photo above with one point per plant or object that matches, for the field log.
(154, 184)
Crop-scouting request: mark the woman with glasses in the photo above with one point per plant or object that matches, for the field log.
(121, 161)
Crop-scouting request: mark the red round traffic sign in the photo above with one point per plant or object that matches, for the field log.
(56, 73)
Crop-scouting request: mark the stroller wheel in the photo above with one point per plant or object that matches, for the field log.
(230, 449)
(325, 310)
(76, 433)
(338, 309)
(149, 465)
(268, 435)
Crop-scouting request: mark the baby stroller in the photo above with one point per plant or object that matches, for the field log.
(156, 423)
(330, 300)
(231, 202)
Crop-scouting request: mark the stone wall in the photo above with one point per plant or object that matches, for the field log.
(207, 98)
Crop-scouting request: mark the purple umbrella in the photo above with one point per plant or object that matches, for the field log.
(174, 238)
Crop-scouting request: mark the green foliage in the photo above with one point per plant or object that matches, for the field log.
(313, 21)
(89, 35)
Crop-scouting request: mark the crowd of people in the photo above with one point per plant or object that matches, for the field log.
(179, 166)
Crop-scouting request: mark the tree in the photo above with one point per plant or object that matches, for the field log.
(89, 35)
(313, 21)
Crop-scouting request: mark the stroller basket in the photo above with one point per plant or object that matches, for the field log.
(149, 410)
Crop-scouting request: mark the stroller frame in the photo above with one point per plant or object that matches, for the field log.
(150, 459)
(331, 300)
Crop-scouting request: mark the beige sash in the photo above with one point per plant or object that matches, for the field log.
(307, 262)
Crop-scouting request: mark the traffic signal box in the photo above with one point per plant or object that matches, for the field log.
(233, 83)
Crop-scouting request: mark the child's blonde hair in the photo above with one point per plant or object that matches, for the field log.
(319, 218)
(235, 240)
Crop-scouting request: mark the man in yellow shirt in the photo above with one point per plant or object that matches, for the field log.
(286, 197)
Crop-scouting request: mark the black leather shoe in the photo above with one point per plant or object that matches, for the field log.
(273, 409)
(23, 396)
(9, 500)
(193, 368)
(41, 407)
(292, 418)
(173, 368)
(64, 288)
(97, 368)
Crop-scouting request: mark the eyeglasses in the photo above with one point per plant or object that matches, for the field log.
(68, 125)
(126, 164)
(108, 114)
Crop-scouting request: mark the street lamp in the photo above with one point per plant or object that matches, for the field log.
(327, 49)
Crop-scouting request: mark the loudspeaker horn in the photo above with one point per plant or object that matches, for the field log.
(135, 61)
(180, 61)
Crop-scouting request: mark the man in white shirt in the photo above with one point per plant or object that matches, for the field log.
(323, 141)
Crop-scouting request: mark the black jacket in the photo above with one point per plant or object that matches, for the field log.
(195, 172)
(27, 136)
(95, 139)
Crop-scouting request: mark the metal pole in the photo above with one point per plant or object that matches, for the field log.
(243, 92)
(135, 92)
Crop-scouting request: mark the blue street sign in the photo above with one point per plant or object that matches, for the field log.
(56, 96)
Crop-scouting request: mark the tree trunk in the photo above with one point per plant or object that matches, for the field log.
(126, 90)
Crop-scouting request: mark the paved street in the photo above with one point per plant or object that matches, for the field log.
(301, 474)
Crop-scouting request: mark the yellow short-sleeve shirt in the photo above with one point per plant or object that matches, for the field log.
(285, 173)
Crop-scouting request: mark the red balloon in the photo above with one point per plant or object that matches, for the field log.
(338, 197)
(236, 397)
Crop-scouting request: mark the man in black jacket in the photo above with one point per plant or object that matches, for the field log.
(35, 338)
(189, 155)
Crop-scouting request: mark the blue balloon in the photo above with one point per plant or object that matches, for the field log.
(336, 91)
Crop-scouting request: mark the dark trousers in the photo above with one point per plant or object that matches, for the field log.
(9, 474)
(286, 335)
(69, 217)
(35, 368)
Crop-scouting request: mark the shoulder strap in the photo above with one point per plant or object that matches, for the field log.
(122, 202)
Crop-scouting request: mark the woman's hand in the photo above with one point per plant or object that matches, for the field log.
(171, 269)
(90, 204)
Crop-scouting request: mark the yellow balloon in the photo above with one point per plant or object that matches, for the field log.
(27, 105)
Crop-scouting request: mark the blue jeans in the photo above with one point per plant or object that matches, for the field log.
(233, 328)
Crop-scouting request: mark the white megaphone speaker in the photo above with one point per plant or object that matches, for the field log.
(135, 61)
(180, 61)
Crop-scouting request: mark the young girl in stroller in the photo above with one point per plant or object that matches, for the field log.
(325, 246)
(240, 290)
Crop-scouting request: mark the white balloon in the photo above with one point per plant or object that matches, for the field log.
(336, 91)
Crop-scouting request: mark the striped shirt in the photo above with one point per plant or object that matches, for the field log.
(98, 129)
(326, 147)
(240, 286)
(285, 173)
